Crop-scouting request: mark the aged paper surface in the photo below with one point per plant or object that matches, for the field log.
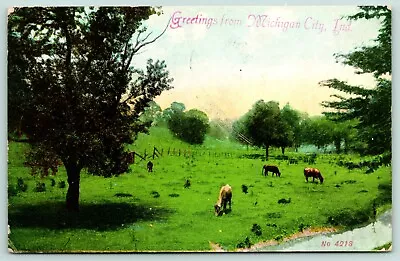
(300, 93)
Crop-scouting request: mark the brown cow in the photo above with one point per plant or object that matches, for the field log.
(271, 168)
(314, 173)
(225, 197)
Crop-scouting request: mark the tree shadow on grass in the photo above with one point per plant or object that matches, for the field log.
(101, 217)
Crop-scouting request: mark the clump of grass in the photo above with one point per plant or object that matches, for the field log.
(271, 225)
(155, 194)
(40, 187)
(301, 227)
(21, 185)
(244, 189)
(349, 217)
(187, 184)
(273, 215)
(256, 229)
(12, 190)
(123, 195)
(244, 244)
(284, 201)
(173, 195)
(351, 181)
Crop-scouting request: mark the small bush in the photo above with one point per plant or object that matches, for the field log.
(187, 184)
(244, 244)
(40, 187)
(155, 194)
(273, 215)
(284, 201)
(271, 225)
(53, 182)
(302, 227)
(173, 195)
(256, 229)
(244, 189)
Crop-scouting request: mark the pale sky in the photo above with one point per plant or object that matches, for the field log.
(223, 68)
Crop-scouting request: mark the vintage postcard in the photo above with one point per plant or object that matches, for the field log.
(199, 129)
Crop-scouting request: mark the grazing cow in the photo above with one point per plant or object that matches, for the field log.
(271, 168)
(314, 173)
(150, 166)
(225, 197)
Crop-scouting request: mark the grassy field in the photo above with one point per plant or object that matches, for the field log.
(142, 211)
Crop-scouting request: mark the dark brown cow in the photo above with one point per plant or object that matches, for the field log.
(150, 166)
(225, 197)
(271, 168)
(314, 173)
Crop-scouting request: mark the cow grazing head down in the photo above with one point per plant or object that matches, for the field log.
(225, 197)
(271, 168)
(314, 173)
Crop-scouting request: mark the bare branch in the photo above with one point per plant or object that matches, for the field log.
(142, 43)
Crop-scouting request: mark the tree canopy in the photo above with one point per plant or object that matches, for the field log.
(261, 125)
(72, 89)
(190, 126)
(370, 106)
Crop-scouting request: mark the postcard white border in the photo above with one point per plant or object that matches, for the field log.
(394, 255)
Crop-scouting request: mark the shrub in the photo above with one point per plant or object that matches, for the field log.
(187, 184)
(256, 229)
(244, 244)
(155, 194)
(53, 182)
(284, 201)
(244, 189)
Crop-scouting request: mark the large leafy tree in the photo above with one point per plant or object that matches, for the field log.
(370, 106)
(71, 86)
(290, 134)
(263, 125)
(190, 126)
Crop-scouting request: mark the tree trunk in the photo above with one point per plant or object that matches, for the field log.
(283, 150)
(266, 152)
(73, 173)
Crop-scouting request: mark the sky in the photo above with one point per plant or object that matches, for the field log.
(237, 55)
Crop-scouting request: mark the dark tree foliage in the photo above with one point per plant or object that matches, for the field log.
(71, 87)
(290, 134)
(376, 59)
(371, 107)
(190, 126)
(263, 125)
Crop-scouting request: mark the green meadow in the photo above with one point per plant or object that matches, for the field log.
(142, 211)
